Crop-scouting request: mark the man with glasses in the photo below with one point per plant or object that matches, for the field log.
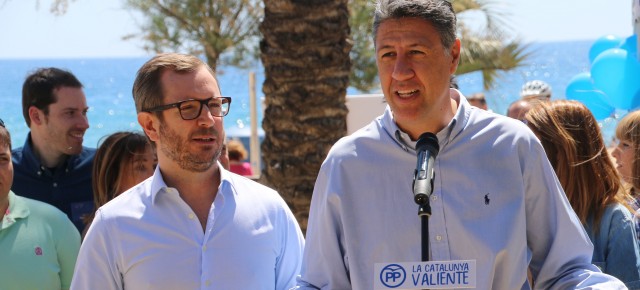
(53, 166)
(192, 224)
(38, 243)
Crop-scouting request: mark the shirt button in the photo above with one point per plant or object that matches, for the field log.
(438, 238)
(434, 198)
(191, 216)
(207, 283)
(204, 248)
(39, 172)
(55, 184)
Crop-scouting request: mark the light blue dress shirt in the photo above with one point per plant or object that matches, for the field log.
(496, 200)
(149, 238)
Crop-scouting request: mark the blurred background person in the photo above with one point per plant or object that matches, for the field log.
(53, 166)
(224, 154)
(536, 90)
(38, 243)
(478, 100)
(518, 109)
(627, 153)
(574, 145)
(237, 155)
(122, 160)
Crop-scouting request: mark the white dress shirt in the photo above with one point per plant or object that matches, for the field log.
(149, 238)
(496, 200)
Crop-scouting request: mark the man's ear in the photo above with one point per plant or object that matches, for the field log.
(36, 116)
(149, 124)
(455, 56)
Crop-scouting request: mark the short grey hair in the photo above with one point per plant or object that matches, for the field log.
(438, 12)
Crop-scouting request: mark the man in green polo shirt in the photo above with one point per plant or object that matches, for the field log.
(38, 243)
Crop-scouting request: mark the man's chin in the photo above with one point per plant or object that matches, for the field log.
(199, 167)
(74, 149)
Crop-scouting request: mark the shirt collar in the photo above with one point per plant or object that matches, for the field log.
(158, 185)
(34, 163)
(17, 209)
(445, 136)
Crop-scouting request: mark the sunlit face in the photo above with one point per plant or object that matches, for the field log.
(193, 145)
(414, 69)
(66, 122)
(624, 155)
(6, 175)
(140, 166)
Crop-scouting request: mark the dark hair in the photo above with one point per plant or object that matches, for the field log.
(5, 137)
(115, 152)
(438, 12)
(147, 88)
(453, 82)
(38, 89)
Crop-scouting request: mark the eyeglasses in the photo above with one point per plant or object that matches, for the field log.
(191, 109)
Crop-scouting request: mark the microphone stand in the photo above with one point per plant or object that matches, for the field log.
(427, 148)
(424, 211)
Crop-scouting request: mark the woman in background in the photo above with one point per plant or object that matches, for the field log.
(627, 153)
(122, 160)
(237, 155)
(574, 145)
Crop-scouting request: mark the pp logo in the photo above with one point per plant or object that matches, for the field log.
(393, 275)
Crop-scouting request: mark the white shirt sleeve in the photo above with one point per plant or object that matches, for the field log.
(290, 258)
(97, 262)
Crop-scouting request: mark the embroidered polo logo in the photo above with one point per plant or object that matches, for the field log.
(486, 199)
(38, 251)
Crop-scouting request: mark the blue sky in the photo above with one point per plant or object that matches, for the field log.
(94, 28)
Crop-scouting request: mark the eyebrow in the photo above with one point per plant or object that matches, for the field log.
(388, 46)
(75, 109)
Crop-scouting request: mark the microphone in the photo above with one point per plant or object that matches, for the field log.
(427, 149)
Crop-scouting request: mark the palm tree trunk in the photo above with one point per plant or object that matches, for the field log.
(305, 53)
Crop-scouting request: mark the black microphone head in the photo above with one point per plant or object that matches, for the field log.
(428, 142)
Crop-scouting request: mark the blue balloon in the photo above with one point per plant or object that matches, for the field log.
(630, 44)
(616, 73)
(636, 99)
(580, 88)
(602, 44)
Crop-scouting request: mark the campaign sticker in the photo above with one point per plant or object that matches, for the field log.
(422, 275)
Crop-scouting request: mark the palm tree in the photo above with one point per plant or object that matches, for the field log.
(487, 51)
(305, 53)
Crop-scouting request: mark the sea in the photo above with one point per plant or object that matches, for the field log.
(108, 82)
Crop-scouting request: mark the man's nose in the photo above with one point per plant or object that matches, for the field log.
(402, 70)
